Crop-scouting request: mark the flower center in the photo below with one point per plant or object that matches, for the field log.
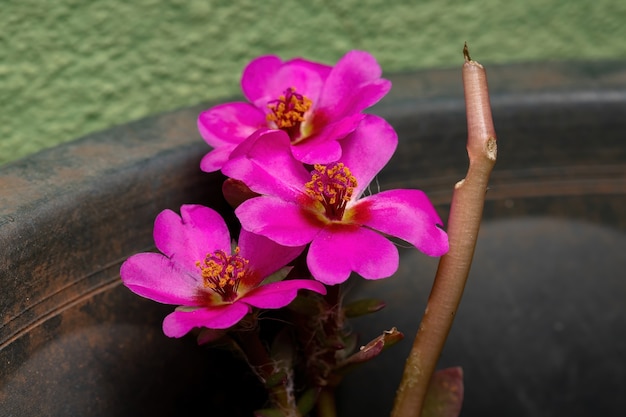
(332, 185)
(287, 112)
(222, 273)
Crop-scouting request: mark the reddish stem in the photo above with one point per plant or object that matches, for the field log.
(463, 225)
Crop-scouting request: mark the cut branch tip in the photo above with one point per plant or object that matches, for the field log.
(466, 54)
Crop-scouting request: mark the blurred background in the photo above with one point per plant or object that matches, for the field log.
(72, 67)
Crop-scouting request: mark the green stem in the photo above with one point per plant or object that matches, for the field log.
(259, 359)
(326, 403)
(463, 225)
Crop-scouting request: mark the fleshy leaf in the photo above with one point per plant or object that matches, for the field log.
(269, 412)
(279, 275)
(371, 350)
(307, 401)
(282, 349)
(445, 394)
(362, 307)
(306, 306)
(276, 379)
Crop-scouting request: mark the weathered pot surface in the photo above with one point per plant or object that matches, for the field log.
(542, 327)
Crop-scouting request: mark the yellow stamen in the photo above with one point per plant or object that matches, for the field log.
(332, 185)
(288, 111)
(222, 273)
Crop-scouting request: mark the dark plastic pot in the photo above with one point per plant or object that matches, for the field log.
(542, 327)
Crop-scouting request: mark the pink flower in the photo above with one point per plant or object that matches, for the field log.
(326, 207)
(315, 104)
(214, 286)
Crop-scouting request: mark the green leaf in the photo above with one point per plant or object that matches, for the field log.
(306, 305)
(445, 394)
(275, 379)
(269, 412)
(279, 275)
(282, 349)
(187, 309)
(307, 401)
(362, 307)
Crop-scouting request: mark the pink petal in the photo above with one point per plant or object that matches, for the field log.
(229, 123)
(365, 96)
(153, 276)
(265, 79)
(368, 149)
(409, 215)
(279, 294)
(264, 162)
(256, 75)
(304, 76)
(179, 323)
(353, 85)
(281, 221)
(215, 159)
(265, 255)
(322, 147)
(338, 251)
(188, 238)
(317, 151)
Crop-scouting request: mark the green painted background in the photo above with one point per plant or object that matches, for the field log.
(71, 67)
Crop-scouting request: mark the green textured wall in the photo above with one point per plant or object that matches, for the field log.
(71, 67)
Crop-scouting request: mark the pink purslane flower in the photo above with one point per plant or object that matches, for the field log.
(214, 286)
(326, 207)
(316, 105)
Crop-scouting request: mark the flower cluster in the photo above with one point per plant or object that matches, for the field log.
(307, 152)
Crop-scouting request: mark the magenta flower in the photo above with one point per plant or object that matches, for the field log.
(326, 207)
(214, 286)
(315, 104)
